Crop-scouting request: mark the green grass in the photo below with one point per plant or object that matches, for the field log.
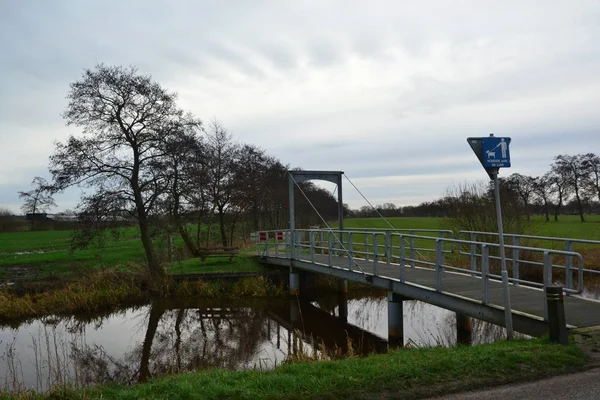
(410, 373)
(397, 222)
(240, 263)
(54, 258)
(11, 242)
(569, 226)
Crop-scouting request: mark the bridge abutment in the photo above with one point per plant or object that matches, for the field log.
(395, 320)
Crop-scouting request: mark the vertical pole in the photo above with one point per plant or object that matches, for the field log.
(515, 260)
(402, 262)
(569, 267)
(294, 284)
(439, 264)
(485, 269)
(547, 279)
(322, 242)
(292, 219)
(412, 250)
(507, 307)
(340, 204)
(395, 320)
(311, 236)
(388, 247)
(342, 284)
(329, 246)
(464, 331)
(375, 255)
(473, 254)
(350, 252)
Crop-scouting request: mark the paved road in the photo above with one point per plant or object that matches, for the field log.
(578, 386)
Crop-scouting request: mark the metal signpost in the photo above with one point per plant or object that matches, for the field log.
(493, 153)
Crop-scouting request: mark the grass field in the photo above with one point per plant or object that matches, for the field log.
(47, 253)
(568, 226)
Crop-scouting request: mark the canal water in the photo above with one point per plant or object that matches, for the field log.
(163, 338)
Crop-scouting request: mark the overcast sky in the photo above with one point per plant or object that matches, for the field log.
(387, 91)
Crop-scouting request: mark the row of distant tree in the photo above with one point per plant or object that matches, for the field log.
(571, 186)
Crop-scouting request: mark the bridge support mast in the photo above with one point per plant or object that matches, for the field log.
(295, 177)
(395, 320)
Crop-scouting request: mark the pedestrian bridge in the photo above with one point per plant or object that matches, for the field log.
(456, 272)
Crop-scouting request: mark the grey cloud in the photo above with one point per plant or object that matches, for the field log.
(45, 45)
(324, 53)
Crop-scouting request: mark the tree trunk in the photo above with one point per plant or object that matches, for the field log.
(156, 271)
(198, 229)
(580, 207)
(208, 229)
(232, 229)
(222, 226)
(177, 217)
(156, 313)
(546, 209)
(189, 243)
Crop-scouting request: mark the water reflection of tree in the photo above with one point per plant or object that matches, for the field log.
(181, 340)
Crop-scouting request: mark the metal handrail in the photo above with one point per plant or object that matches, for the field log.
(405, 248)
(406, 244)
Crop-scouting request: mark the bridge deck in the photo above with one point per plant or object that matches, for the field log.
(525, 301)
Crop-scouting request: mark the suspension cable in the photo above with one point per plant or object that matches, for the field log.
(327, 225)
(378, 213)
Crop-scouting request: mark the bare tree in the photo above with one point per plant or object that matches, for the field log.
(591, 164)
(125, 118)
(572, 168)
(183, 155)
(559, 188)
(39, 199)
(222, 153)
(542, 188)
(523, 185)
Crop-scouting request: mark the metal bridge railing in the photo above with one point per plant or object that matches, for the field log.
(515, 257)
(378, 247)
(382, 245)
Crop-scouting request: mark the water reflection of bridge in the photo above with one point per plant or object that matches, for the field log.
(303, 320)
(320, 327)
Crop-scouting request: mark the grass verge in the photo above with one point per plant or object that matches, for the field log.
(406, 374)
